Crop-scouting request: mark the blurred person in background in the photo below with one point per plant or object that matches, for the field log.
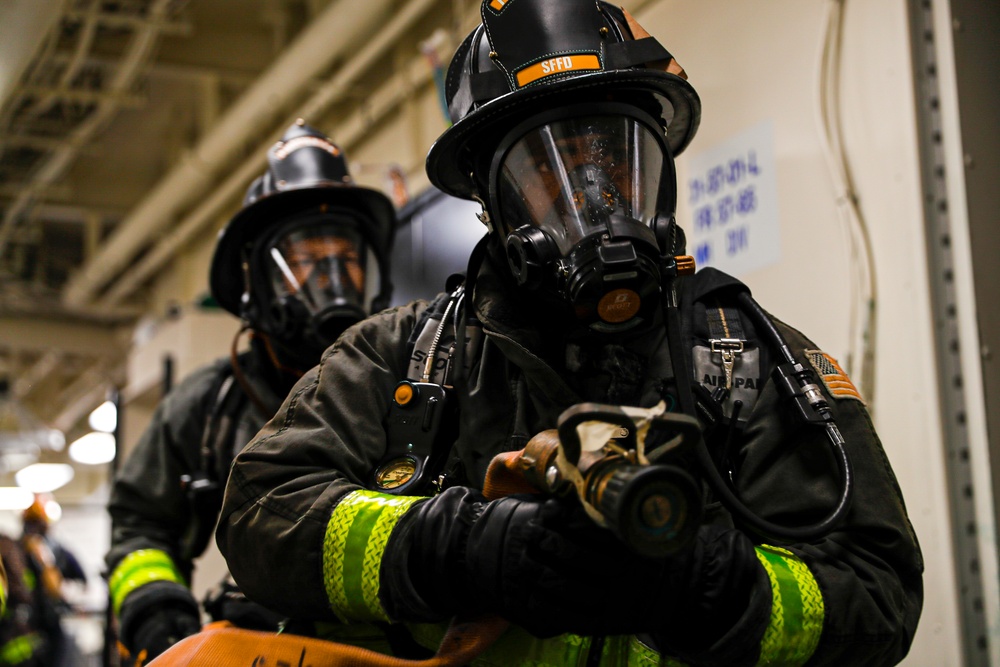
(305, 257)
(37, 569)
(22, 640)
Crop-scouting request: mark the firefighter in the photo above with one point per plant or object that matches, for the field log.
(567, 117)
(305, 256)
(51, 564)
(23, 635)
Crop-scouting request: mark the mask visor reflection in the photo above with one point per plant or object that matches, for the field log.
(569, 176)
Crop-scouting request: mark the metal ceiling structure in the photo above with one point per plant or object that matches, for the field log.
(127, 128)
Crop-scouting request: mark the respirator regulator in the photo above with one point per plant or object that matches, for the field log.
(578, 200)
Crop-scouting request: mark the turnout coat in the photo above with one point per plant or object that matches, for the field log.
(852, 597)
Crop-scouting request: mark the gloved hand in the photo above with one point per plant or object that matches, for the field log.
(226, 602)
(161, 629)
(543, 564)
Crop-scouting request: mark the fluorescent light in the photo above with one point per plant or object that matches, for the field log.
(56, 439)
(94, 448)
(15, 498)
(104, 417)
(53, 510)
(44, 477)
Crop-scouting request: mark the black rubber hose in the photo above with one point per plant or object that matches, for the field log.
(714, 479)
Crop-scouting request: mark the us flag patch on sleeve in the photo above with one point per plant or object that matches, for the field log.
(833, 376)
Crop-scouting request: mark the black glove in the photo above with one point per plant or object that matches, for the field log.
(162, 629)
(543, 564)
(156, 616)
(227, 602)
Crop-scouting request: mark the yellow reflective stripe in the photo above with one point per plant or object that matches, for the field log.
(19, 649)
(362, 635)
(640, 655)
(138, 569)
(515, 648)
(3, 589)
(796, 609)
(518, 648)
(355, 540)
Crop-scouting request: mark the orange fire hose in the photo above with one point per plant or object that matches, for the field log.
(223, 645)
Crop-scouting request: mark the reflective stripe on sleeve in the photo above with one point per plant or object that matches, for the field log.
(138, 569)
(796, 609)
(20, 649)
(355, 539)
(518, 648)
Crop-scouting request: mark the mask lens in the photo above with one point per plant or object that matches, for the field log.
(321, 266)
(568, 177)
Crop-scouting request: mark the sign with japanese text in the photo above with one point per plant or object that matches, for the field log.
(733, 198)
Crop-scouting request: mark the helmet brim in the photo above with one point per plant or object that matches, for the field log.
(226, 273)
(447, 161)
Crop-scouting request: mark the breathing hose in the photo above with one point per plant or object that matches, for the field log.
(792, 372)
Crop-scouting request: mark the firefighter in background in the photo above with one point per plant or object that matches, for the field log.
(36, 567)
(4, 587)
(566, 120)
(22, 640)
(51, 565)
(60, 564)
(306, 256)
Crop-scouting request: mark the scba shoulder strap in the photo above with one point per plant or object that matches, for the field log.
(727, 359)
(204, 486)
(422, 423)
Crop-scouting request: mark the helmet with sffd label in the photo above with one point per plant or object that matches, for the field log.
(567, 117)
(530, 55)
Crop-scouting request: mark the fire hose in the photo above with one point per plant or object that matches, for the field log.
(598, 451)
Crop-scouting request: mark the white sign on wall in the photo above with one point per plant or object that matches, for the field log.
(733, 197)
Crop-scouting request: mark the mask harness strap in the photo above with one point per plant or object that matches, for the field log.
(241, 377)
(795, 382)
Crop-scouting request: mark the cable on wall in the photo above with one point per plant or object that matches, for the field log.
(860, 361)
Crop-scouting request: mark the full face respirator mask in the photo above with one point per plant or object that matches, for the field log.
(316, 277)
(575, 196)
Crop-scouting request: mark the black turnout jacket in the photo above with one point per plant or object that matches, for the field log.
(329, 435)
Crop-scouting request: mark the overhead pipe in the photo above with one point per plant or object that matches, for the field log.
(341, 29)
(233, 186)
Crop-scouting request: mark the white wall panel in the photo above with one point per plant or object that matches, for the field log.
(757, 60)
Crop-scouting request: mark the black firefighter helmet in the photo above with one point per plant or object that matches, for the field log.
(308, 253)
(532, 55)
(567, 117)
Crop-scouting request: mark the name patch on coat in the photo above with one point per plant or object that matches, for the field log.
(746, 380)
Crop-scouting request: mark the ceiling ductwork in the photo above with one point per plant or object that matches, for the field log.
(130, 128)
(337, 32)
(236, 182)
